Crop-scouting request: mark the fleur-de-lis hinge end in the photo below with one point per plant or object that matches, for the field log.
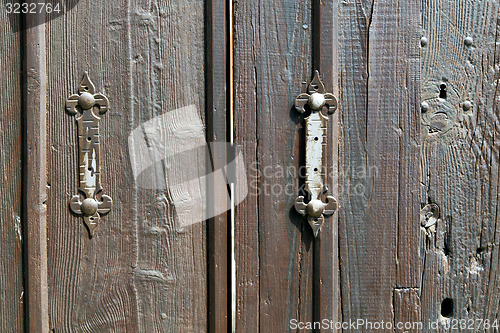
(316, 98)
(88, 106)
(316, 210)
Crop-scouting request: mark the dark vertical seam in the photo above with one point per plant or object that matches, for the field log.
(24, 170)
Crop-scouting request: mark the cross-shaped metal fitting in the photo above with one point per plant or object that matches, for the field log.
(316, 100)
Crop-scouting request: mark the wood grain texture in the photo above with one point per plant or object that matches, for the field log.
(11, 241)
(274, 250)
(379, 216)
(460, 160)
(35, 175)
(407, 313)
(142, 271)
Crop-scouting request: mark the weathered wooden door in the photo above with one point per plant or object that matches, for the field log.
(413, 156)
(178, 122)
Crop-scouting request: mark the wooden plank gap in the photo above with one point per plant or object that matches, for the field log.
(217, 227)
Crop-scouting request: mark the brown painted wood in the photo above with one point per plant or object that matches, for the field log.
(35, 175)
(379, 155)
(387, 159)
(327, 302)
(217, 124)
(12, 296)
(141, 271)
(274, 249)
(460, 160)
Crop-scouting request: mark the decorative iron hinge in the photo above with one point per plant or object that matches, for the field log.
(316, 100)
(88, 106)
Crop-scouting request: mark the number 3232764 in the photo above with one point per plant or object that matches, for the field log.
(32, 8)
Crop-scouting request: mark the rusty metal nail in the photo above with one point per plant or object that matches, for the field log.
(424, 106)
(86, 100)
(315, 208)
(89, 206)
(466, 105)
(317, 101)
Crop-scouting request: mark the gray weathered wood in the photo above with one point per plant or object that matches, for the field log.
(460, 159)
(274, 250)
(11, 277)
(378, 217)
(141, 272)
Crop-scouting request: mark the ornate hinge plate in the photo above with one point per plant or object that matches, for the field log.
(88, 106)
(316, 100)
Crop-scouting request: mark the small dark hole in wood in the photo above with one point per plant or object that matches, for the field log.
(315, 87)
(480, 250)
(447, 308)
(316, 139)
(315, 169)
(85, 88)
(446, 249)
(442, 90)
(89, 139)
(90, 169)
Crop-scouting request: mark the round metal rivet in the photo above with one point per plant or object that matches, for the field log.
(316, 101)
(468, 41)
(89, 206)
(424, 106)
(86, 100)
(424, 41)
(466, 105)
(315, 208)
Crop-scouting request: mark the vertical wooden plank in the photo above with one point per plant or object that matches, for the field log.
(272, 63)
(35, 177)
(380, 126)
(168, 41)
(407, 94)
(217, 124)
(143, 271)
(460, 160)
(327, 302)
(11, 273)
(354, 18)
(91, 280)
